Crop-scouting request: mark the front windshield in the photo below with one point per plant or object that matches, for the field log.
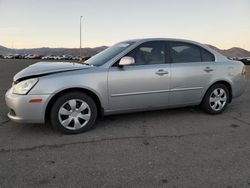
(106, 55)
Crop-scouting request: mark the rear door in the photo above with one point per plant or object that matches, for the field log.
(144, 84)
(192, 69)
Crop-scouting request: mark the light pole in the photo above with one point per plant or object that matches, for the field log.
(80, 38)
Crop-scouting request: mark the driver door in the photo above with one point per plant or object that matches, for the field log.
(143, 85)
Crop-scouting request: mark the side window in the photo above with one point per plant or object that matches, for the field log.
(184, 52)
(149, 53)
(207, 56)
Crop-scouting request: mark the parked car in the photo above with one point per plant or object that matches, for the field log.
(78, 58)
(68, 57)
(245, 60)
(52, 57)
(57, 57)
(1, 57)
(130, 76)
(33, 56)
(17, 56)
(86, 58)
(9, 56)
(61, 57)
(45, 57)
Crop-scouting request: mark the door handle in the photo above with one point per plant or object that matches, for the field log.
(161, 72)
(208, 69)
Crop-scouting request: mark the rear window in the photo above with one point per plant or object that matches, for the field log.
(182, 52)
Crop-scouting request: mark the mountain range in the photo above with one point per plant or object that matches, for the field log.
(232, 52)
(86, 52)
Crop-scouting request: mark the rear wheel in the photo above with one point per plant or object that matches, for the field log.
(73, 113)
(216, 99)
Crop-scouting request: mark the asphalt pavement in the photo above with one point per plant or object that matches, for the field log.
(169, 148)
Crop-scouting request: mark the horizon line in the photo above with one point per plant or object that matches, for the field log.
(104, 46)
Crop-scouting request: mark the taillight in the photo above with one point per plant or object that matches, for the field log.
(244, 71)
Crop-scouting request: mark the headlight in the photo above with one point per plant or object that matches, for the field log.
(23, 87)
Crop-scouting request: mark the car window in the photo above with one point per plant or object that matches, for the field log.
(149, 53)
(184, 52)
(207, 56)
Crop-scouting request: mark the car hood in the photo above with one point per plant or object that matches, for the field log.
(45, 68)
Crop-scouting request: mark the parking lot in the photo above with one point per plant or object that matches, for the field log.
(168, 148)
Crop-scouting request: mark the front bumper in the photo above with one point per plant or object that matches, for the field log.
(22, 111)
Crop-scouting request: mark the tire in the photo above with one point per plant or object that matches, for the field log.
(216, 99)
(73, 113)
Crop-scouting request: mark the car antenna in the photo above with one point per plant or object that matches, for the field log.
(80, 39)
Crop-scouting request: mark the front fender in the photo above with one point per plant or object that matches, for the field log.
(95, 82)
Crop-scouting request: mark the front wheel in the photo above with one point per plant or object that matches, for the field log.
(73, 113)
(216, 99)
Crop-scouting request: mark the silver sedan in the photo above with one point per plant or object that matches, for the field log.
(134, 75)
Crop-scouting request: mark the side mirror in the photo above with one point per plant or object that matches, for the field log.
(126, 61)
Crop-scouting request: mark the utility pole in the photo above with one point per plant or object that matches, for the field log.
(80, 38)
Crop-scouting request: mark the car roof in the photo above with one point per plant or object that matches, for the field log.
(162, 39)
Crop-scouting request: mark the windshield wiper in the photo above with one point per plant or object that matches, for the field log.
(84, 63)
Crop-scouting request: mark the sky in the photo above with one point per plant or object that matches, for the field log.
(55, 23)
